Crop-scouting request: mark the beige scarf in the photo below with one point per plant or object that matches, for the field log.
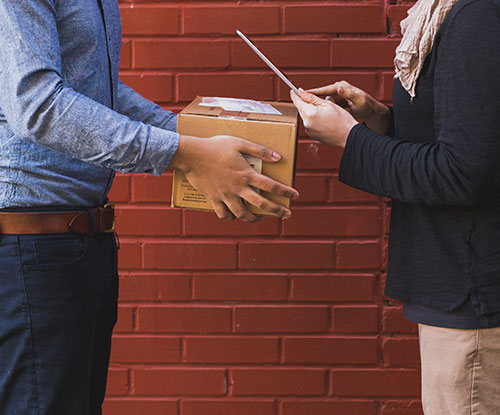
(418, 30)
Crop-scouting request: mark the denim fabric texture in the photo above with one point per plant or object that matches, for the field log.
(66, 121)
(58, 302)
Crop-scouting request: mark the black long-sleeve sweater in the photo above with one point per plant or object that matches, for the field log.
(442, 168)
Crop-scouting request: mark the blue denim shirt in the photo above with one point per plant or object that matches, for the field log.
(66, 121)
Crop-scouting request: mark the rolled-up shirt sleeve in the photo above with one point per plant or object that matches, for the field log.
(461, 166)
(40, 108)
(136, 107)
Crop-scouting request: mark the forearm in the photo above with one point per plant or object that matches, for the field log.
(381, 120)
(136, 107)
(63, 120)
(430, 173)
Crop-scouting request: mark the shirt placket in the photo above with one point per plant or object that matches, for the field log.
(109, 32)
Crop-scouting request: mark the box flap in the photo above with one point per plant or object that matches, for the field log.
(287, 110)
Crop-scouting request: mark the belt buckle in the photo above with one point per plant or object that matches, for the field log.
(110, 206)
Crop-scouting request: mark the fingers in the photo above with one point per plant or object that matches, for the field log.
(340, 89)
(305, 109)
(349, 93)
(259, 151)
(221, 210)
(272, 186)
(302, 106)
(325, 90)
(332, 89)
(239, 210)
(235, 208)
(310, 98)
(305, 102)
(264, 204)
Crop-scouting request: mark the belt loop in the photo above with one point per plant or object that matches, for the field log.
(91, 222)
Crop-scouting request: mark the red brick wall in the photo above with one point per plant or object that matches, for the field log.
(274, 318)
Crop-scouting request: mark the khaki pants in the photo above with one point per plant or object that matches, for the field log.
(460, 371)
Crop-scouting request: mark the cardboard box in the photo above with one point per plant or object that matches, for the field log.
(277, 131)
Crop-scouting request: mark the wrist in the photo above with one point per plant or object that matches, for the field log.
(380, 119)
(186, 150)
(348, 129)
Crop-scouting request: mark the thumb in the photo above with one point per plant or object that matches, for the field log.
(304, 107)
(310, 98)
(349, 93)
(259, 151)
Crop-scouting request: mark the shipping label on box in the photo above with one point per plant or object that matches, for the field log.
(273, 124)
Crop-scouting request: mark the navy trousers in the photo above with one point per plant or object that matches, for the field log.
(58, 306)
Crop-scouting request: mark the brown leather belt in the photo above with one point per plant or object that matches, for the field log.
(31, 223)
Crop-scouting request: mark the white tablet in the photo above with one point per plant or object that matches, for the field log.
(268, 62)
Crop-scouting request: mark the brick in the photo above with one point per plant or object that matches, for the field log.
(142, 20)
(231, 350)
(325, 407)
(331, 350)
(199, 319)
(147, 188)
(148, 221)
(342, 288)
(168, 382)
(140, 406)
(247, 86)
(125, 321)
(366, 81)
(283, 53)
(333, 221)
(129, 255)
(208, 224)
(227, 407)
(395, 13)
(120, 191)
(312, 188)
(358, 255)
(225, 20)
(286, 255)
(145, 349)
(402, 408)
(155, 87)
(388, 81)
(333, 19)
(281, 319)
(393, 321)
(126, 55)
(278, 382)
(401, 352)
(180, 54)
(363, 53)
(344, 193)
(118, 382)
(362, 319)
(240, 288)
(155, 288)
(312, 155)
(190, 255)
(376, 382)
